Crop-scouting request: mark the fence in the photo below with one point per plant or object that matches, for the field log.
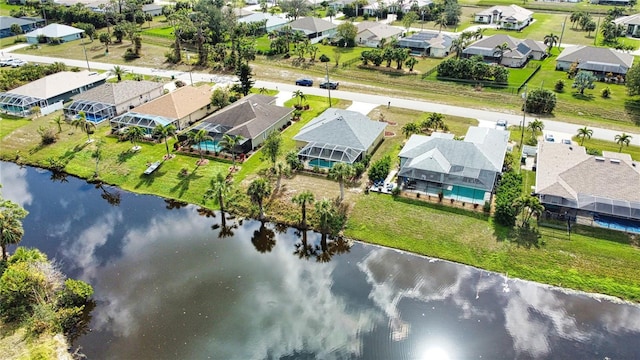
(524, 83)
(348, 63)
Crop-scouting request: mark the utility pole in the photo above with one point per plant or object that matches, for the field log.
(562, 32)
(524, 114)
(328, 83)
(85, 54)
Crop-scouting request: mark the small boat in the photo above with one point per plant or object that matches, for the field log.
(152, 167)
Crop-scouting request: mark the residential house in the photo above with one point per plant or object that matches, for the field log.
(314, 29)
(338, 135)
(516, 55)
(49, 92)
(428, 43)
(464, 170)
(612, 2)
(603, 62)
(253, 118)
(570, 180)
(54, 33)
(26, 24)
(392, 6)
(110, 99)
(630, 23)
(272, 22)
(372, 33)
(512, 17)
(152, 9)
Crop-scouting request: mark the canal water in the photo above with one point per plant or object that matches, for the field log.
(172, 283)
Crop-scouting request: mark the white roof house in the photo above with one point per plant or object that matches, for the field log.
(511, 17)
(272, 22)
(55, 31)
(371, 33)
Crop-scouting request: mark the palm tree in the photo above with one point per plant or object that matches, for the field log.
(303, 249)
(535, 126)
(118, 71)
(478, 34)
(410, 129)
(437, 121)
(259, 189)
(499, 51)
(411, 62)
(550, 40)
(197, 138)
(458, 45)
(163, 132)
(623, 139)
(529, 206)
(58, 121)
(583, 133)
(219, 190)
(325, 211)
(11, 230)
(298, 94)
(441, 21)
(81, 122)
(229, 143)
(341, 172)
(302, 199)
(134, 134)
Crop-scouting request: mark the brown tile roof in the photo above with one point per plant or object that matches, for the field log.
(179, 103)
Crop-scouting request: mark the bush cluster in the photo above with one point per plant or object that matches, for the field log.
(472, 69)
(380, 169)
(509, 189)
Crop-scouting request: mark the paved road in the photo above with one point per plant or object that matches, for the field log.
(559, 129)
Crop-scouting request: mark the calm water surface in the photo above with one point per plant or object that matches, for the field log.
(169, 287)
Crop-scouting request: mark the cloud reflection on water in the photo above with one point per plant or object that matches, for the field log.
(15, 186)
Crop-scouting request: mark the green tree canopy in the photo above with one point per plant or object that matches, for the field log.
(347, 32)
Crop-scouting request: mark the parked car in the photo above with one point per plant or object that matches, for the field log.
(502, 124)
(549, 138)
(6, 62)
(566, 141)
(304, 82)
(17, 63)
(329, 85)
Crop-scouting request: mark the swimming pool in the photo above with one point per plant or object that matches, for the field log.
(209, 145)
(617, 224)
(465, 194)
(321, 163)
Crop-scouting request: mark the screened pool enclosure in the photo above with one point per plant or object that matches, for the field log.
(95, 111)
(145, 121)
(324, 155)
(19, 105)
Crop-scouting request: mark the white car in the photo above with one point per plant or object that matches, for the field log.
(17, 63)
(502, 124)
(549, 138)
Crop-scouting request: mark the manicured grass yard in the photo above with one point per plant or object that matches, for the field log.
(603, 264)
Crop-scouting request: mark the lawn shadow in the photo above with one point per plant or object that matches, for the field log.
(527, 237)
(125, 155)
(632, 108)
(585, 97)
(185, 181)
(148, 180)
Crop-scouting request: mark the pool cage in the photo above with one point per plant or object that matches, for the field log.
(145, 121)
(329, 153)
(20, 105)
(217, 132)
(95, 112)
(606, 206)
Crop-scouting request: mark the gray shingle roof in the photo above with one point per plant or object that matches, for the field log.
(482, 149)
(628, 20)
(7, 21)
(342, 127)
(487, 45)
(272, 20)
(581, 53)
(569, 172)
(249, 116)
(311, 25)
(118, 93)
(426, 39)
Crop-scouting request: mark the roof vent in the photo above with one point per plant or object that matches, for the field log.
(614, 161)
(599, 158)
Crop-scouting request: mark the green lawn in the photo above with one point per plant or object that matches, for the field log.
(587, 263)
(603, 145)
(163, 32)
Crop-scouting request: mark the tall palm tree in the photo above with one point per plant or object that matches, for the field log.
(528, 206)
(550, 40)
(197, 138)
(163, 132)
(258, 190)
(341, 172)
(229, 143)
(623, 139)
(302, 199)
(535, 126)
(583, 133)
(81, 122)
(118, 71)
(478, 34)
(499, 51)
(11, 230)
(219, 190)
(411, 62)
(441, 21)
(134, 134)
(298, 94)
(458, 45)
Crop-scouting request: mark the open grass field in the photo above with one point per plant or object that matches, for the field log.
(543, 6)
(604, 263)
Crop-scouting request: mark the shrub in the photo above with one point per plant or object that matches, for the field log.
(47, 135)
(358, 169)
(486, 207)
(541, 101)
(324, 58)
(180, 83)
(595, 152)
(509, 189)
(380, 169)
(395, 191)
(606, 92)
(130, 54)
(559, 85)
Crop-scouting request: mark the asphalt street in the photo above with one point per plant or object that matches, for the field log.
(559, 129)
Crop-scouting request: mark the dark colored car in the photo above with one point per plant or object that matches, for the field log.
(329, 85)
(304, 82)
